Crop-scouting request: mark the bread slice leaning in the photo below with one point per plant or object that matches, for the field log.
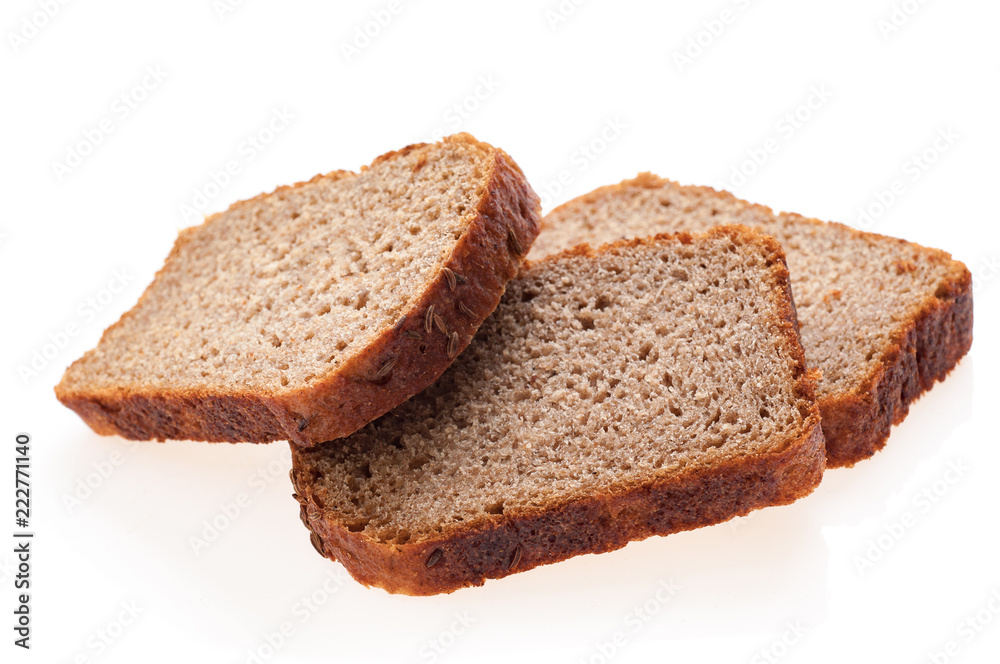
(645, 388)
(881, 318)
(305, 313)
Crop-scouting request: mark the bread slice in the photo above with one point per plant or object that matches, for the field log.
(648, 387)
(881, 318)
(305, 313)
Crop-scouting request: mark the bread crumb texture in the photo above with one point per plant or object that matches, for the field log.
(278, 293)
(599, 375)
(881, 318)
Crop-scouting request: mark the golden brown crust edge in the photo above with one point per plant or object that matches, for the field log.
(519, 541)
(857, 424)
(462, 296)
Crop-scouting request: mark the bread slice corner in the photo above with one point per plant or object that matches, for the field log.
(307, 312)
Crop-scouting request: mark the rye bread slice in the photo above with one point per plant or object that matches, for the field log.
(305, 313)
(648, 387)
(881, 318)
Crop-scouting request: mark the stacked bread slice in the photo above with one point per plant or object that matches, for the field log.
(305, 313)
(882, 319)
(647, 371)
(648, 387)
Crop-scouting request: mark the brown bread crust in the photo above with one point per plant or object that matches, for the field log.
(518, 540)
(522, 540)
(485, 258)
(924, 350)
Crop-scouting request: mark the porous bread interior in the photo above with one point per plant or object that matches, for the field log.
(851, 289)
(594, 374)
(277, 291)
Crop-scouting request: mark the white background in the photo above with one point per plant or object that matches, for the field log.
(785, 582)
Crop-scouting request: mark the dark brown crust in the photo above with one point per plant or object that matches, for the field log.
(923, 350)
(361, 389)
(520, 540)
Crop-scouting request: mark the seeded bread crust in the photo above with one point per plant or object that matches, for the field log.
(923, 350)
(520, 539)
(398, 364)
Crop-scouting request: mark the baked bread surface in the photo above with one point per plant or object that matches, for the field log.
(305, 313)
(882, 319)
(643, 388)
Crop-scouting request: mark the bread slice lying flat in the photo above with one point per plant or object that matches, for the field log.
(881, 318)
(305, 313)
(644, 388)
